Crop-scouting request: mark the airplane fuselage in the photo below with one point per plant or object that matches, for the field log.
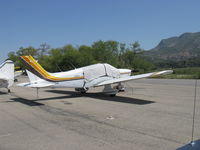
(80, 80)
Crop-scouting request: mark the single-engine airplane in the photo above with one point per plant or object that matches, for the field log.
(82, 78)
(7, 74)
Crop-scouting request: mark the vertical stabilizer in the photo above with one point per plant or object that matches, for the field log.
(32, 77)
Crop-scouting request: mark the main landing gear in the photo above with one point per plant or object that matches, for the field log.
(81, 90)
(120, 87)
(108, 90)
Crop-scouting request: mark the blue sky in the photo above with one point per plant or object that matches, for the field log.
(60, 22)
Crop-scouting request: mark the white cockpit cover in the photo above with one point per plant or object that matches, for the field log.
(112, 71)
(99, 70)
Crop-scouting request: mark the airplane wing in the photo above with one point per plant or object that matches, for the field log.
(35, 85)
(125, 79)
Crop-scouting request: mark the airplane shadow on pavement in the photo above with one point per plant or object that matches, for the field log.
(74, 94)
(3, 93)
(99, 96)
(26, 101)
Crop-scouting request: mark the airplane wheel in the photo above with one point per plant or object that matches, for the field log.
(83, 92)
(112, 95)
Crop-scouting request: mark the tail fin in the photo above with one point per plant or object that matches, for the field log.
(37, 69)
(35, 82)
(32, 77)
(34, 67)
(7, 71)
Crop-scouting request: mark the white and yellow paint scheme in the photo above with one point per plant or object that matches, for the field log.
(82, 78)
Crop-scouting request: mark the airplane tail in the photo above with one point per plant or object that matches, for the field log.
(35, 82)
(7, 71)
(34, 67)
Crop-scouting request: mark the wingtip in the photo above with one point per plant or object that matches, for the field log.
(169, 71)
(165, 72)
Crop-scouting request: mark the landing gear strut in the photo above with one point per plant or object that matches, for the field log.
(120, 87)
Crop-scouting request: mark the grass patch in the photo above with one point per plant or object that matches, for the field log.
(183, 73)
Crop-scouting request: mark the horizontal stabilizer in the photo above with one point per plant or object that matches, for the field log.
(35, 85)
(35, 82)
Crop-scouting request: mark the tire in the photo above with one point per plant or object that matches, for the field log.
(112, 95)
(83, 92)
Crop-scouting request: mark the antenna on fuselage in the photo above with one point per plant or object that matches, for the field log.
(58, 67)
(72, 65)
(61, 69)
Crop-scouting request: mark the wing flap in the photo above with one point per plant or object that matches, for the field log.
(125, 79)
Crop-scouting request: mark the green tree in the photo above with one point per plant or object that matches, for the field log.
(43, 49)
(106, 52)
(68, 56)
(87, 57)
(27, 51)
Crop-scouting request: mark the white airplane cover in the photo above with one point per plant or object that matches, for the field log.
(6, 74)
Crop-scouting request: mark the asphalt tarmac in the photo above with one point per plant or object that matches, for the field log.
(153, 114)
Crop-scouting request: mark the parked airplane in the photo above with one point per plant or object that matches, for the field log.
(6, 74)
(82, 78)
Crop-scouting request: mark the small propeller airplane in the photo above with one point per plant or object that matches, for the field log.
(7, 74)
(82, 78)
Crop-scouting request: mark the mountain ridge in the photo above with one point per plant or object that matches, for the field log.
(183, 47)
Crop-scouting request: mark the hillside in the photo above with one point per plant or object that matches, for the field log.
(184, 47)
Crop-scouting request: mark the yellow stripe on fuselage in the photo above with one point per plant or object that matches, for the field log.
(37, 67)
(30, 60)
